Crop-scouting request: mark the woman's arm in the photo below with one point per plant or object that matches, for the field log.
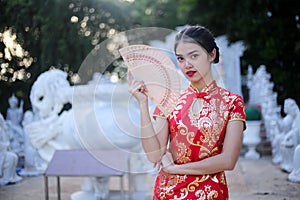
(221, 162)
(154, 137)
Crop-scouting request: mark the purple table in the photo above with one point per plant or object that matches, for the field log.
(95, 163)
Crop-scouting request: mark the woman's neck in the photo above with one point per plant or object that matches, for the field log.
(200, 85)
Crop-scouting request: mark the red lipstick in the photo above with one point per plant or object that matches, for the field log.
(190, 73)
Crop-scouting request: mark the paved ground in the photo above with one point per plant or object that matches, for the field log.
(251, 180)
(254, 180)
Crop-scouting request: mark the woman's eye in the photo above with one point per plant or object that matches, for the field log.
(180, 59)
(194, 56)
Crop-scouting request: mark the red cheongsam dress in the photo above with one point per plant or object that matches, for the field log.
(197, 130)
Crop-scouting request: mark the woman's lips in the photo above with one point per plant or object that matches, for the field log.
(190, 73)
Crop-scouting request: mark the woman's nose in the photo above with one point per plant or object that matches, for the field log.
(187, 63)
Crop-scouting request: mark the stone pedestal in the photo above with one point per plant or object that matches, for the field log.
(252, 139)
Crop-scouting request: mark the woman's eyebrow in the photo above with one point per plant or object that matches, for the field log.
(189, 53)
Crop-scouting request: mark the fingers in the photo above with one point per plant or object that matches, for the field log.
(135, 84)
(137, 87)
(157, 165)
(167, 159)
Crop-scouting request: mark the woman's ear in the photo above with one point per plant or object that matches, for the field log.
(213, 55)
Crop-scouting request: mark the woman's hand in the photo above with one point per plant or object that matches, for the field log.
(167, 162)
(137, 88)
(157, 165)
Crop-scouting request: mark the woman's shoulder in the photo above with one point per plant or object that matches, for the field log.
(230, 95)
(184, 92)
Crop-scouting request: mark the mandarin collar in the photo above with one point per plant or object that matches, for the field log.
(207, 89)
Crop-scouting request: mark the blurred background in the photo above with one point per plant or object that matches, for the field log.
(37, 35)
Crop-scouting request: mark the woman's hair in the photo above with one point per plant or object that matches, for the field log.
(198, 35)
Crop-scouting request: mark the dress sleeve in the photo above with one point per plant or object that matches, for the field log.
(237, 110)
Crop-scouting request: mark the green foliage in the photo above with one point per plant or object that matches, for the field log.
(162, 13)
(45, 31)
(252, 114)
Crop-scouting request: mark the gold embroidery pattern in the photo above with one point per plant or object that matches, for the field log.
(167, 191)
(183, 154)
(223, 178)
(235, 115)
(205, 152)
(207, 193)
(191, 187)
(215, 113)
(179, 105)
(183, 130)
(168, 183)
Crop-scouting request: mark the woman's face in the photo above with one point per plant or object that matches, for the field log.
(194, 62)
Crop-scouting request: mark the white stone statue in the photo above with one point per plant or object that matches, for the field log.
(230, 63)
(270, 112)
(285, 123)
(99, 118)
(283, 133)
(15, 113)
(251, 86)
(279, 128)
(48, 97)
(276, 138)
(33, 163)
(290, 139)
(258, 83)
(294, 176)
(14, 118)
(8, 159)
